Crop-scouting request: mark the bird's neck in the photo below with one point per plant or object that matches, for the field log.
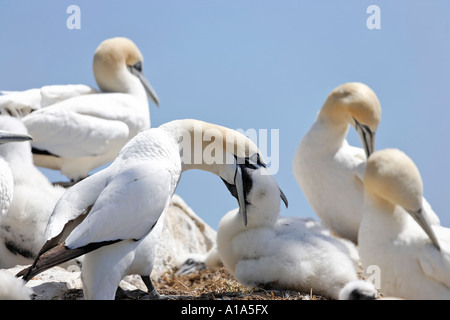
(122, 81)
(231, 225)
(18, 155)
(207, 147)
(326, 135)
(382, 219)
(334, 117)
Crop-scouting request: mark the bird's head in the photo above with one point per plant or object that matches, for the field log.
(117, 63)
(225, 152)
(393, 177)
(251, 183)
(356, 104)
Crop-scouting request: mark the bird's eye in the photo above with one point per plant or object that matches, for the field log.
(138, 66)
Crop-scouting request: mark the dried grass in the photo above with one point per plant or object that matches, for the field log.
(205, 285)
(220, 285)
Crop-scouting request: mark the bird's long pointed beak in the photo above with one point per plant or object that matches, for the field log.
(425, 224)
(6, 136)
(239, 183)
(148, 88)
(151, 94)
(283, 197)
(367, 138)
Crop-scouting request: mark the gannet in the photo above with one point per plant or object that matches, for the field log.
(288, 253)
(22, 227)
(396, 234)
(6, 176)
(20, 103)
(82, 129)
(115, 216)
(328, 169)
(6, 187)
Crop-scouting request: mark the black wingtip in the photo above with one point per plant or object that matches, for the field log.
(23, 273)
(42, 152)
(49, 259)
(57, 255)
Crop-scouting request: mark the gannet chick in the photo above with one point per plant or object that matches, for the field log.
(22, 227)
(6, 187)
(6, 176)
(395, 234)
(83, 129)
(286, 253)
(115, 216)
(12, 288)
(327, 168)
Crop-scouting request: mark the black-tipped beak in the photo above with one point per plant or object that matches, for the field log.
(367, 138)
(6, 136)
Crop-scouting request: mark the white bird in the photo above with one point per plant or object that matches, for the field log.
(12, 288)
(115, 216)
(20, 103)
(6, 176)
(328, 169)
(287, 253)
(412, 252)
(22, 227)
(76, 129)
(6, 187)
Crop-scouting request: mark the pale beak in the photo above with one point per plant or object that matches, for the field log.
(367, 138)
(13, 137)
(424, 223)
(147, 86)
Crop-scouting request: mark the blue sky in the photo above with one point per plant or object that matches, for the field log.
(256, 64)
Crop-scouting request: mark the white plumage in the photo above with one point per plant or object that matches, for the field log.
(20, 103)
(6, 187)
(398, 235)
(6, 176)
(328, 169)
(22, 227)
(287, 253)
(116, 215)
(12, 288)
(77, 129)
